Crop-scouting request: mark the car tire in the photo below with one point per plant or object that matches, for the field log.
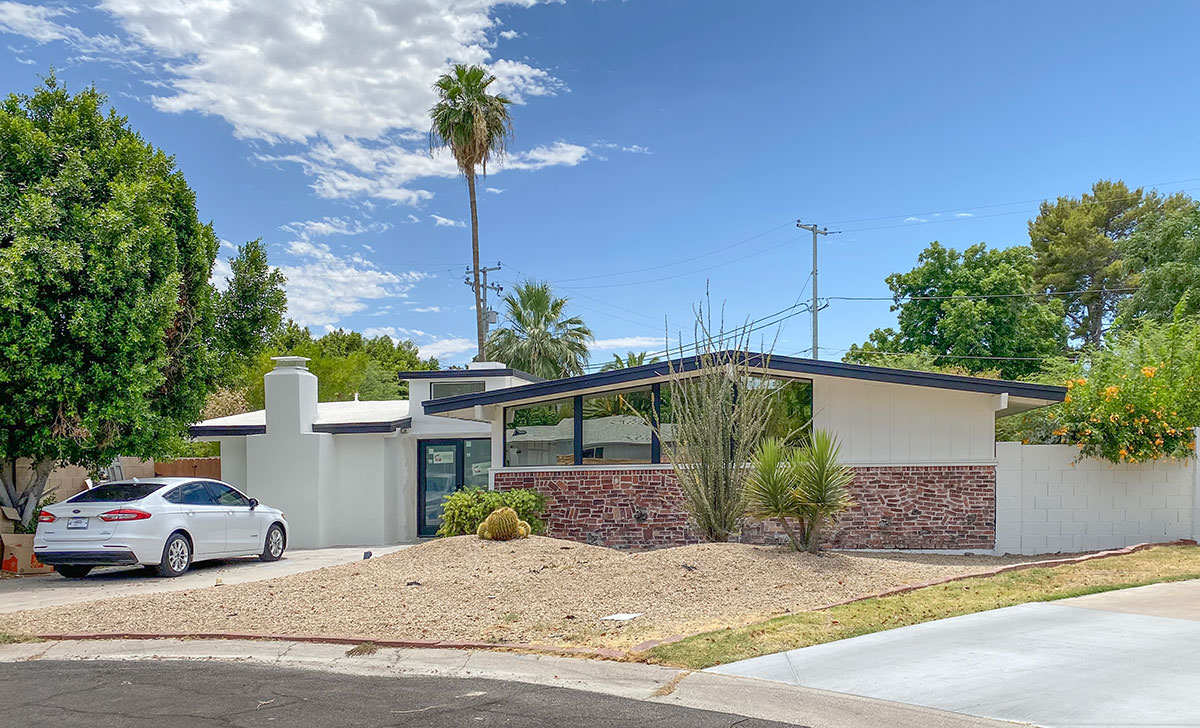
(274, 544)
(176, 556)
(73, 571)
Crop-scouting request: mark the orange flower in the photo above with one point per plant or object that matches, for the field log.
(1148, 372)
(1111, 391)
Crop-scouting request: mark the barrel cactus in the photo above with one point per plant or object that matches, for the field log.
(502, 525)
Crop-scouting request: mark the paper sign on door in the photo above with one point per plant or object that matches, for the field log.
(441, 457)
(479, 468)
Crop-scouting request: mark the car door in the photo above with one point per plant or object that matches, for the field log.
(204, 518)
(243, 525)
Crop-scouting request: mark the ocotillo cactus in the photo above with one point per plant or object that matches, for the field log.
(502, 525)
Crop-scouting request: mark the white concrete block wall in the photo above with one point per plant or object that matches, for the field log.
(1047, 502)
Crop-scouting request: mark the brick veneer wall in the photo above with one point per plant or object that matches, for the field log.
(909, 507)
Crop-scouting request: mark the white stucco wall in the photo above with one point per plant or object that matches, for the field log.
(890, 424)
(1046, 502)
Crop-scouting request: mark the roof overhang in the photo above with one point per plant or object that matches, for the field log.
(333, 428)
(1021, 396)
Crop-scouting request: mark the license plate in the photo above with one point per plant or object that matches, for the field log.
(77, 522)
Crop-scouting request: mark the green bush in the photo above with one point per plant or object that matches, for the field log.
(465, 509)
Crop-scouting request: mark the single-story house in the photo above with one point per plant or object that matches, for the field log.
(922, 444)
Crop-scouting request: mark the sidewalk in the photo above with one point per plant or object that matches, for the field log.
(706, 691)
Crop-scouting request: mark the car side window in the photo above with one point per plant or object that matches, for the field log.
(226, 496)
(193, 494)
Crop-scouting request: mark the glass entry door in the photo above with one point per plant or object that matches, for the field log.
(445, 466)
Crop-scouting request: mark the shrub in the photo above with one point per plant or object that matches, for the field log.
(466, 509)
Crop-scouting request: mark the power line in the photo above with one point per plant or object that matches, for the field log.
(973, 296)
(660, 266)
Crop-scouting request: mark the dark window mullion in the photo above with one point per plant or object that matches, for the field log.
(577, 405)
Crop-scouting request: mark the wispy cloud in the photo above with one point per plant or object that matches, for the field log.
(440, 221)
(628, 343)
(915, 219)
(494, 190)
(963, 214)
(324, 287)
(439, 348)
(327, 226)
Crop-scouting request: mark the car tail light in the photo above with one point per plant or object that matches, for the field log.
(46, 517)
(124, 514)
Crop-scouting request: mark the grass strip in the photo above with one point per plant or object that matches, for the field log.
(1172, 563)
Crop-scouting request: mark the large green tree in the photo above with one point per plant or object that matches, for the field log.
(539, 337)
(1076, 242)
(106, 312)
(973, 309)
(1163, 256)
(475, 125)
(250, 309)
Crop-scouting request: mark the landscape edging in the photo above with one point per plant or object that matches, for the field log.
(605, 653)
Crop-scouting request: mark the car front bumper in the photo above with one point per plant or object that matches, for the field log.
(107, 557)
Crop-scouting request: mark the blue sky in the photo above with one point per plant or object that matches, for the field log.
(659, 145)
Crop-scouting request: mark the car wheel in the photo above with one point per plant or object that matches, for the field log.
(73, 571)
(275, 543)
(176, 556)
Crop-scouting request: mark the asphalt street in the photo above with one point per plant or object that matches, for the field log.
(203, 694)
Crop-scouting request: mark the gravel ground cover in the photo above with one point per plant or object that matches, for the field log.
(539, 590)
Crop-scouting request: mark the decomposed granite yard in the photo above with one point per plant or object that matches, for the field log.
(535, 590)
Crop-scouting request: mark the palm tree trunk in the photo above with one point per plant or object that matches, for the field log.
(814, 535)
(480, 314)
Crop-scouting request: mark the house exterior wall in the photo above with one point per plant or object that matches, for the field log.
(905, 507)
(891, 424)
(1047, 502)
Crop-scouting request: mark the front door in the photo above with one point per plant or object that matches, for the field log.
(446, 466)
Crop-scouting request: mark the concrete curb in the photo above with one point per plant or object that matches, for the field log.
(742, 696)
(588, 652)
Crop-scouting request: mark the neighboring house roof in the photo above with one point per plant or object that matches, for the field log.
(469, 374)
(612, 430)
(1022, 395)
(337, 418)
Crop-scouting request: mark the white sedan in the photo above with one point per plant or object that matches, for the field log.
(166, 523)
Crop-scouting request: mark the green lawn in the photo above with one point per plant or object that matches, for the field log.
(1172, 563)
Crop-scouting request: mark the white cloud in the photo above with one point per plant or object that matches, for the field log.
(323, 287)
(628, 343)
(915, 219)
(326, 226)
(446, 347)
(494, 190)
(428, 309)
(412, 219)
(395, 333)
(636, 149)
(509, 34)
(963, 214)
(341, 89)
(440, 221)
(220, 273)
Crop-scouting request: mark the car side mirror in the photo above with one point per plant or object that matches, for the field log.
(253, 503)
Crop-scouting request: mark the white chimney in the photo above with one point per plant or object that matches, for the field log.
(291, 395)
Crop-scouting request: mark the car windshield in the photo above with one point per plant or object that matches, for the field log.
(116, 492)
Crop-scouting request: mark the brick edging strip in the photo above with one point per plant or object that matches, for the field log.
(600, 652)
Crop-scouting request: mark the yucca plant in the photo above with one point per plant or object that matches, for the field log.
(822, 485)
(771, 487)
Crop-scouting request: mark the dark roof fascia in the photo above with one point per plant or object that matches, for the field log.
(226, 430)
(779, 363)
(361, 428)
(469, 374)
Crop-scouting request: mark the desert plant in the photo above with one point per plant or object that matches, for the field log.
(822, 485)
(464, 510)
(502, 525)
(771, 487)
(718, 411)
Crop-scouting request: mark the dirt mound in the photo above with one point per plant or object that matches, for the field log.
(538, 589)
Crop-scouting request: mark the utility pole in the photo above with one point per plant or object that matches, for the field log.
(816, 352)
(489, 316)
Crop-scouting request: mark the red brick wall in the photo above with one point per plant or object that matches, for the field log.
(915, 507)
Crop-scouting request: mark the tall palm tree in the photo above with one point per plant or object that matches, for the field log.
(539, 337)
(630, 359)
(476, 126)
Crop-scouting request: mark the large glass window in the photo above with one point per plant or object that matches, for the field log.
(791, 410)
(616, 427)
(543, 434)
(453, 389)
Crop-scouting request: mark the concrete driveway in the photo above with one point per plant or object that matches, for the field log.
(1123, 658)
(49, 590)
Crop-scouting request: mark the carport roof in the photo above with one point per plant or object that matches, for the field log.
(1022, 395)
(338, 418)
